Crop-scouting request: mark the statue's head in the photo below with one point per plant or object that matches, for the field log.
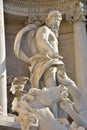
(54, 15)
(53, 20)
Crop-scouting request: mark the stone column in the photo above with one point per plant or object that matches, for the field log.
(3, 88)
(77, 17)
(80, 47)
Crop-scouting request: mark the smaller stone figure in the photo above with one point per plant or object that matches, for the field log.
(76, 109)
(34, 110)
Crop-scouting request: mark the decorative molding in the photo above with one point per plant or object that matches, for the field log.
(39, 7)
(74, 14)
(37, 10)
(77, 13)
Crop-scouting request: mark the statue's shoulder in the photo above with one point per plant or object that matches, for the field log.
(42, 29)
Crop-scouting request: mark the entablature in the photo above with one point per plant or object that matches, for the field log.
(38, 9)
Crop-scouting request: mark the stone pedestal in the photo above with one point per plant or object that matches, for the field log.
(5, 125)
(80, 47)
(8, 123)
(3, 91)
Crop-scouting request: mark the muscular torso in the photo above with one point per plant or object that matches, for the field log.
(46, 41)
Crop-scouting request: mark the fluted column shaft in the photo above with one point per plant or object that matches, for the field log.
(80, 47)
(3, 85)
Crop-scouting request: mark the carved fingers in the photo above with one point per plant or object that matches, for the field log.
(63, 91)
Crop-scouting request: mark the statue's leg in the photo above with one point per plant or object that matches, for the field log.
(50, 77)
(50, 81)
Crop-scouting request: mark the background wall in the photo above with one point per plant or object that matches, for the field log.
(66, 47)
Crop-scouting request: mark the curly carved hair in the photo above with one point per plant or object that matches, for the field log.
(54, 15)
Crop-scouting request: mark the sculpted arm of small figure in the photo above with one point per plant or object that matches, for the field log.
(73, 90)
(79, 104)
(78, 110)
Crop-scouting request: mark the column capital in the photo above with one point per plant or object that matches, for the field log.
(77, 13)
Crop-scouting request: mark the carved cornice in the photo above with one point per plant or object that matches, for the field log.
(36, 7)
(36, 10)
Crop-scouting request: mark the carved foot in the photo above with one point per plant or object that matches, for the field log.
(73, 126)
(66, 104)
